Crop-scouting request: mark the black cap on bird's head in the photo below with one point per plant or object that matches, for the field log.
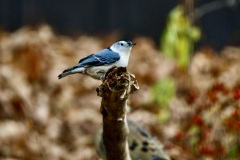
(130, 43)
(122, 45)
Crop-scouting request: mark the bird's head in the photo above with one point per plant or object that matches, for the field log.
(122, 46)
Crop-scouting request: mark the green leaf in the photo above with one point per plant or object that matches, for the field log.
(179, 37)
(163, 115)
(163, 91)
(233, 151)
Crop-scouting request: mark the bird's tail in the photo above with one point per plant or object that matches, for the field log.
(71, 70)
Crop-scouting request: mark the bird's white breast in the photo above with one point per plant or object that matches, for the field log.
(123, 61)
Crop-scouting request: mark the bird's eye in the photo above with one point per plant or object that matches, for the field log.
(121, 44)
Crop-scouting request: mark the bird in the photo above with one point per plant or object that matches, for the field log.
(142, 145)
(96, 65)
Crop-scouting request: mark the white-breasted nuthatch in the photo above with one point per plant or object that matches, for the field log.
(96, 65)
(142, 145)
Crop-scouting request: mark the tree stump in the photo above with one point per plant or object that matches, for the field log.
(115, 90)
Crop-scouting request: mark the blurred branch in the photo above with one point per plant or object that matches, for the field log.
(215, 5)
(188, 8)
(117, 86)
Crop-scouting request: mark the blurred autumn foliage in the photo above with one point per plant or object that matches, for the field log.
(42, 117)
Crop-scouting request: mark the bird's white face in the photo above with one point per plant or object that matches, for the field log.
(122, 46)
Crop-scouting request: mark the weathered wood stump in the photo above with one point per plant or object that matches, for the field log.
(115, 90)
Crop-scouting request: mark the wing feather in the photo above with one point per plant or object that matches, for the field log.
(103, 57)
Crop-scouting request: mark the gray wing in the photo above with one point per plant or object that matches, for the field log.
(103, 57)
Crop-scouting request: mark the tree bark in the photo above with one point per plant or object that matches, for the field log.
(116, 88)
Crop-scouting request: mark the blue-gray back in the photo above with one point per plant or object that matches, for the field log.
(103, 57)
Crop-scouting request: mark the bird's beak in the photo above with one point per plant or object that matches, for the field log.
(133, 44)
